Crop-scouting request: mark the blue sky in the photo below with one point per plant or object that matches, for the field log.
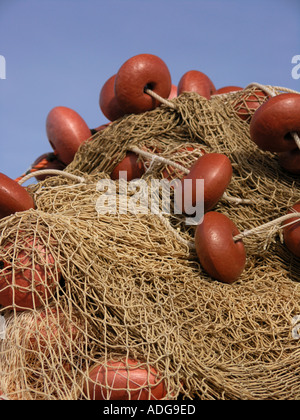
(61, 52)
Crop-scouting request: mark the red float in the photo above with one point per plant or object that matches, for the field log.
(173, 93)
(13, 197)
(124, 380)
(220, 256)
(66, 131)
(215, 170)
(291, 233)
(108, 102)
(196, 81)
(28, 275)
(290, 161)
(227, 89)
(246, 105)
(137, 74)
(273, 122)
(132, 165)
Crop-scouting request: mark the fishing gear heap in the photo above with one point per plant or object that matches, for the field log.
(101, 297)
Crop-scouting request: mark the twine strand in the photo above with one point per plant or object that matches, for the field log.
(166, 223)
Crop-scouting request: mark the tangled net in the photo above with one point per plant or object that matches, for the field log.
(119, 287)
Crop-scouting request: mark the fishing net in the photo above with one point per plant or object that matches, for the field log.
(124, 290)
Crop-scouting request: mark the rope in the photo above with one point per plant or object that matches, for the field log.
(296, 138)
(161, 159)
(267, 226)
(51, 172)
(40, 165)
(284, 89)
(271, 90)
(160, 98)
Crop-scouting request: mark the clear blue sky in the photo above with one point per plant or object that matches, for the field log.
(61, 52)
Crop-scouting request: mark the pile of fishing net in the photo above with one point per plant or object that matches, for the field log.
(121, 306)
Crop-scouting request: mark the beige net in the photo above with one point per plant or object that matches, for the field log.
(124, 293)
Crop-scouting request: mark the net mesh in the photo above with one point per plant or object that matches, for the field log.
(119, 307)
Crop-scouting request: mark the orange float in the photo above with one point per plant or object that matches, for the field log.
(13, 197)
(291, 232)
(220, 256)
(108, 102)
(196, 81)
(124, 380)
(227, 89)
(290, 161)
(66, 131)
(132, 165)
(173, 93)
(28, 275)
(215, 170)
(143, 71)
(272, 124)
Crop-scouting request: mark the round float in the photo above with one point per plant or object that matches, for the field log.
(220, 256)
(143, 71)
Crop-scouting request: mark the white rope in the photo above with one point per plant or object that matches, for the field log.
(158, 158)
(51, 172)
(160, 98)
(268, 225)
(296, 139)
(284, 89)
(269, 90)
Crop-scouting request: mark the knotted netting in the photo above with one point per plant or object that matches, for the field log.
(110, 288)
